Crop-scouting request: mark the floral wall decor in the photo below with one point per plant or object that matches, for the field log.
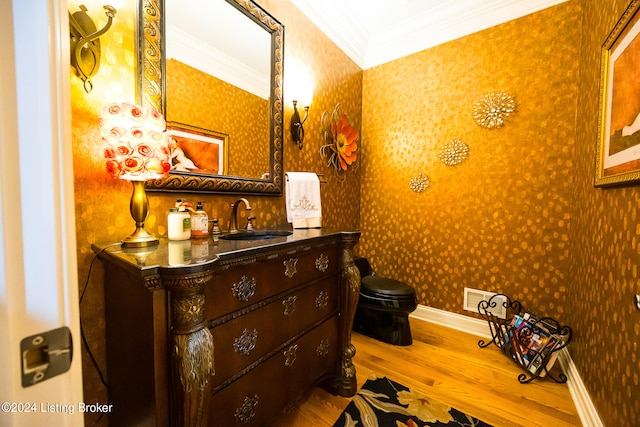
(419, 183)
(491, 110)
(341, 140)
(454, 152)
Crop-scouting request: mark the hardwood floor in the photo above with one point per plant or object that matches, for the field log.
(447, 365)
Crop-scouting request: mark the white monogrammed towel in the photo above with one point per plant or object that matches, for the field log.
(304, 209)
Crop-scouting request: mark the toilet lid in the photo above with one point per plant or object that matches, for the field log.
(385, 286)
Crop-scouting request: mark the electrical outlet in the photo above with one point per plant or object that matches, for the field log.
(637, 301)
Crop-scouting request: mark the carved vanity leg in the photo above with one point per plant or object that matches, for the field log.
(192, 351)
(346, 384)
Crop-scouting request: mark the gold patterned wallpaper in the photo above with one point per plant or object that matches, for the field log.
(500, 220)
(605, 250)
(102, 204)
(519, 216)
(203, 101)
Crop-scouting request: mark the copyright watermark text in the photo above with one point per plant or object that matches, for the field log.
(61, 408)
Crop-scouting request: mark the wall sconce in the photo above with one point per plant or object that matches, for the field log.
(137, 150)
(297, 129)
(300, 86)
(85, 42)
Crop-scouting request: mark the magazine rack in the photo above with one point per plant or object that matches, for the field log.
(532, 343)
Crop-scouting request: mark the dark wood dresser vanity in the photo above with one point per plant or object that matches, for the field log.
(229, 332)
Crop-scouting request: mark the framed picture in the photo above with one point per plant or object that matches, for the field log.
(197, 150)
(618, 150)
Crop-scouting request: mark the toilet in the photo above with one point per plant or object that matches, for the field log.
(384, 306)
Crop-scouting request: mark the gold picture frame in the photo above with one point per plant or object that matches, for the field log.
(197, 151)
(618, 147)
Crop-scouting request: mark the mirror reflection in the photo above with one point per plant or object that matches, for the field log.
(216, 74)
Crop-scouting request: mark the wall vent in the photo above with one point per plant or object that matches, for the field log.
(472, 298)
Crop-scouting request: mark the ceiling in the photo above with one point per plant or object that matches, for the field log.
(373, 32)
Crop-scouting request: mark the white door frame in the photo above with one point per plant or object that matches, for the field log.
(38, 260)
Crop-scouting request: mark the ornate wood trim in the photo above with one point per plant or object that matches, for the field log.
(193, 347)
(346, 383)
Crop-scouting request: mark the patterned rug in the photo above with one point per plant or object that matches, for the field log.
(385, 403)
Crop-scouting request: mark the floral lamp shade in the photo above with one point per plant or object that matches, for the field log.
(136, 149)
(136, 144)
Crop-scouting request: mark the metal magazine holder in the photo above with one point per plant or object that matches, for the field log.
(532, 343)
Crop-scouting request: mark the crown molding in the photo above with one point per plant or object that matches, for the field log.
(349, 35)
(370, 44)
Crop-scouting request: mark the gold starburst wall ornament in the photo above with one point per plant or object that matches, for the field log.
(491, 110)
(419, 183)
(454, 152)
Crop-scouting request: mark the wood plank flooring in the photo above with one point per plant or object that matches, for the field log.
(447, 365)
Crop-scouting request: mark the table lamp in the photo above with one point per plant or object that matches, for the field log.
(136, 149)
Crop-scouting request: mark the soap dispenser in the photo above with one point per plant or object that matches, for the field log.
(199, 222)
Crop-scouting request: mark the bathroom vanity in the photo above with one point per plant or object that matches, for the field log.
(228, 332)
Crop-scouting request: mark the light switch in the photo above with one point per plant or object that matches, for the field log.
(45, 355)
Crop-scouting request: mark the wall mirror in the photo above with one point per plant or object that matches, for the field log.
(214, 69)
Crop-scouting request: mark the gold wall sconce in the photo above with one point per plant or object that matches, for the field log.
(297, 128)
(300, 85)
(85, 42)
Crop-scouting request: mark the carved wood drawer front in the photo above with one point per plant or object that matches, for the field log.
(245, 339)
(251, 400)
(248, 284)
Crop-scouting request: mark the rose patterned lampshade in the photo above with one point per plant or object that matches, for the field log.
(136, 149)
(137, 146)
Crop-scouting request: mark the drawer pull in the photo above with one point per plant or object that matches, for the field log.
(322, 300)
(290, 267)
(322, 263)
(289, 305)
(248, 409)
(244, 289)
(290, 355)
(323, 348)
(246, 342)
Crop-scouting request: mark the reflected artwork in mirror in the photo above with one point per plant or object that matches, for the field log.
(216, 66)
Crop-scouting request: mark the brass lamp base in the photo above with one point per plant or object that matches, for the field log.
(139, 207)
(140, 239)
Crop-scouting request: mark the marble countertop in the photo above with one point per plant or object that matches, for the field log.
(200, 254)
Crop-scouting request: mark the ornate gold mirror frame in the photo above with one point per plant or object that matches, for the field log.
(151, 92)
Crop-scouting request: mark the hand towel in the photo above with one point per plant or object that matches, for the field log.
(304, 208)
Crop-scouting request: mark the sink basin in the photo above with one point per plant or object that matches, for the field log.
(256, 234)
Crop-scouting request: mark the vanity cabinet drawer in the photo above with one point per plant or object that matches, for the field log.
(246, 339)
(256, 399)
(251, 283)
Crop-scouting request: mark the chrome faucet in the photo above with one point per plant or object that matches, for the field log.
(233, 224)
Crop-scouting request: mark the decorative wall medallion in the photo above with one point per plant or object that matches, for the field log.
(491, 110)
(419, 183)
(454, 152)
(244, 289)
(322, 263)
(246, 342)
(290, 267)
(341, 141)
(322, 300)
(247, 410)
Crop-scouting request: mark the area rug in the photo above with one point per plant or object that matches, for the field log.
(382, 402)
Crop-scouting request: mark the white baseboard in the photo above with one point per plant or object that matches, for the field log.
(586, 410)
